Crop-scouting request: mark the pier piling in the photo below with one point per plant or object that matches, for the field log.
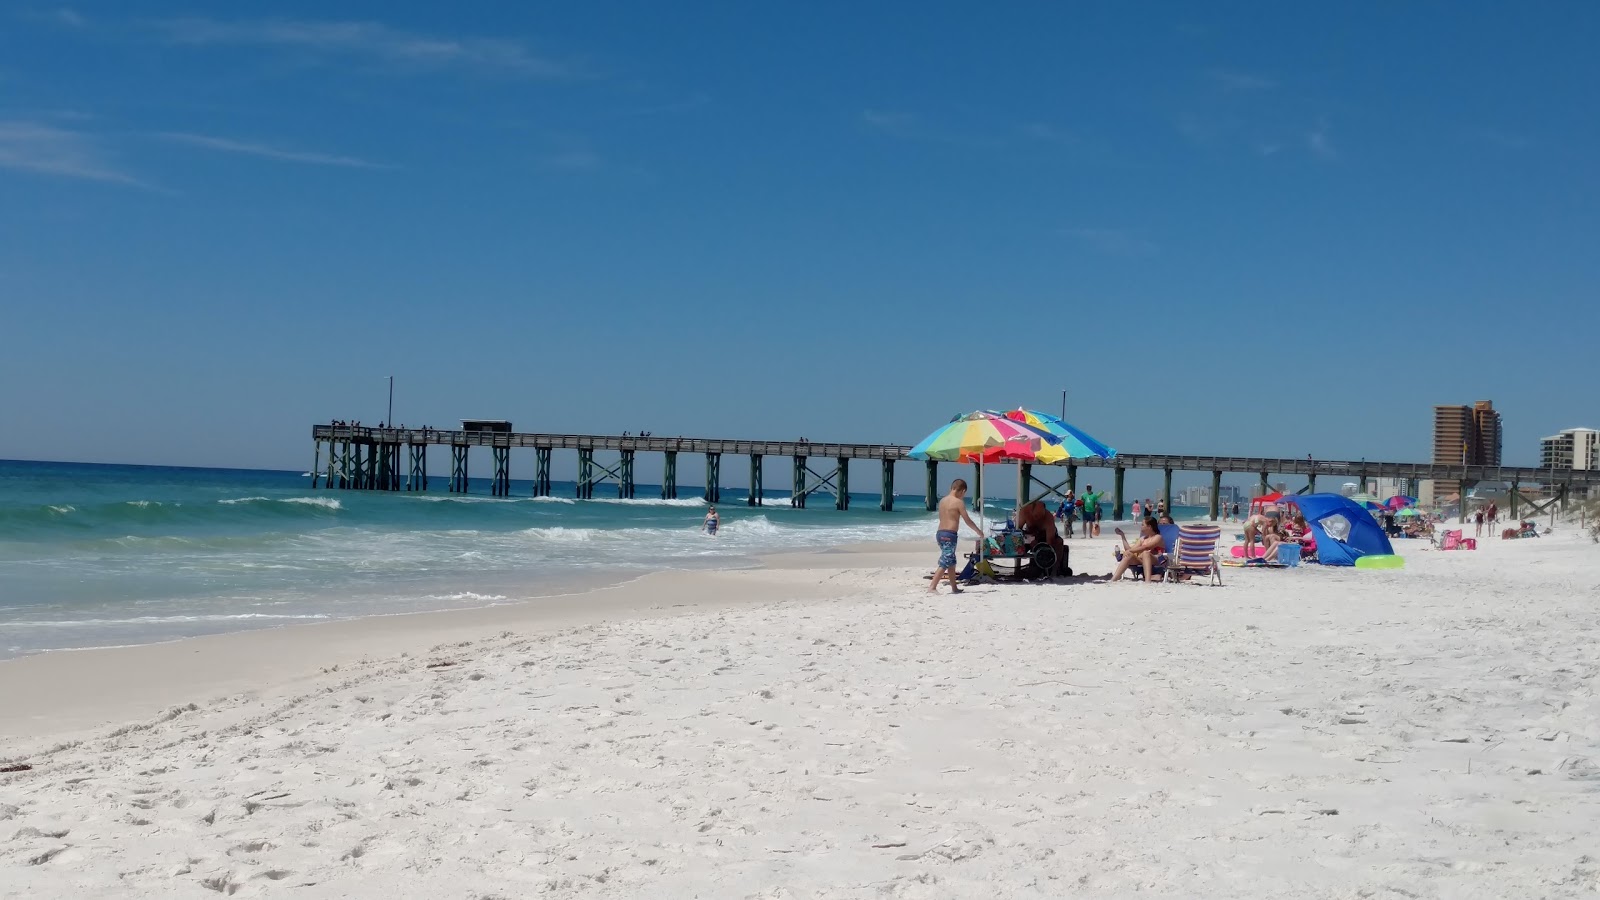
(713, 477)
(797, 496)
(1166, 490)
(933, 485)
(886, 500)
(1216, 492)
(669, 476)
(1116, 492)
(541, 471)
(417, 478)
(976, 493)
(755, 481)
(501, 487)
(841, 497)
(585, 486)
(458, 468)
(625, 476)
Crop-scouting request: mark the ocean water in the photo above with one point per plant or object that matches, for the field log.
(106, 555)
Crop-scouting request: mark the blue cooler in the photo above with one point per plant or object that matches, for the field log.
(1289, 554)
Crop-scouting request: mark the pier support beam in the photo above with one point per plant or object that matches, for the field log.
(1267, 488)
(417, 479)
(1516, 498)
(344, 466)
(669, 477)
(976, 492)
(1072, 480)
(933, 484)
(585, 486)
(502, 472)
(755, 481)
(458, 468)
(316, 461)
(370, 479)
(1311, 483)
(541, 471)
(713, 477)
(1116, 493)
(886, 499)
(1166, 491)
(1216, 493)
(1024, 482)
(841, 485)
(797, 497)
(625, 476)
(394, 466)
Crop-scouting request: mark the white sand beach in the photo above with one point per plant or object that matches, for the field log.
(824, 728)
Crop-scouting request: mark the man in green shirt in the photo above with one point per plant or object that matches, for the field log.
(1091, 512)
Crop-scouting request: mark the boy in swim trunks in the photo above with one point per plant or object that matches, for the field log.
(952, 512)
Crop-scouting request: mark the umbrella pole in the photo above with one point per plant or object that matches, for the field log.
(983, 526)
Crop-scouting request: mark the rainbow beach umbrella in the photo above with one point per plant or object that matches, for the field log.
(1075, 443)
(983, 436)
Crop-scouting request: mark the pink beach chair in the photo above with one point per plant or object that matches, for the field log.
(1452, 540)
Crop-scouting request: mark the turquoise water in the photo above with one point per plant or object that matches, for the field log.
(102, 555)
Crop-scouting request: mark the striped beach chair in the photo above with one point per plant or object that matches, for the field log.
(1196, 553)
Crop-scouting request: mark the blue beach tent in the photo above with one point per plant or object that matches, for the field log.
(1345, 532)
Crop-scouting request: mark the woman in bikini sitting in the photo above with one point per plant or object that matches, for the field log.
(1142, 552)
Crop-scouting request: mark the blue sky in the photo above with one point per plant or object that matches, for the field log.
(1224, 228)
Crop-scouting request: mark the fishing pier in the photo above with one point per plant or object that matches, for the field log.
(395, 459)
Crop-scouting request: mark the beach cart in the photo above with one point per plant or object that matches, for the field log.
(1009, 555)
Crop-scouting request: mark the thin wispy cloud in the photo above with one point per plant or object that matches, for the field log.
(1320, 142)
(266, 151)
(1505, 140)
(1232, 80)
(910, 127)
(370, 41)
(695, 101)
(575, 160)
(898, 124)
(1110, 241)
(1050, 134)
(61, 16)
(42, 149)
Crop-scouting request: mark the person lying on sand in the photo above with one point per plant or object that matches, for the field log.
(1142, 552)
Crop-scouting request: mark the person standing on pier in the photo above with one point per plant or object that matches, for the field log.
(952, 512)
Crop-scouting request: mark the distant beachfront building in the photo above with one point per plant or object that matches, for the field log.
(1463, 435)
(1573, 448)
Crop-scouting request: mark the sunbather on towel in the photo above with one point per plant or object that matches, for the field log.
(1143, 552)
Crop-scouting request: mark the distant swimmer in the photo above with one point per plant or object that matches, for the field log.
(712, 521)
